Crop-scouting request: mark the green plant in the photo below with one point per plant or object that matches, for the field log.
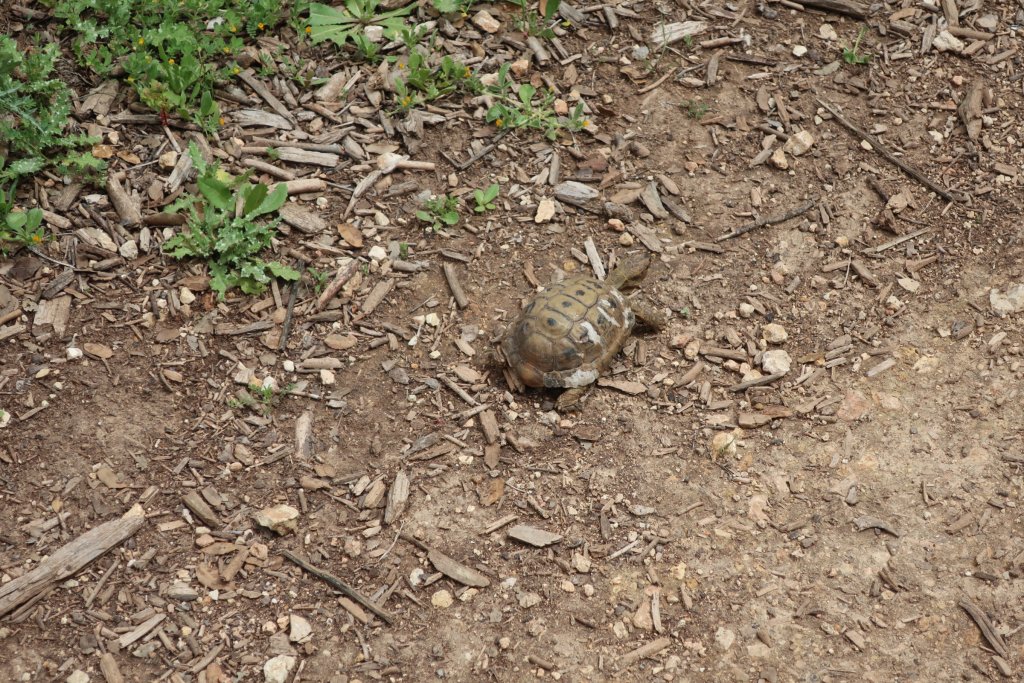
(440, 212)
(342, 24)
(695, 109)
(259, 397)
(403, 250)
(485, 198)
(230, 240)
(515, 107)
(851, 55)
(448, 7)
(23, 228)
(420, 83)
(34, 110)
(319, 278)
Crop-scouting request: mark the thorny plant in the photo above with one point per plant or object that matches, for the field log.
(230, 239)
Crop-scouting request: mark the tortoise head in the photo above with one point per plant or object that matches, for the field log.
(630, 272)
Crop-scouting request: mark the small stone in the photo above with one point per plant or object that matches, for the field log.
(866, 146)
(581, 563)
(1005, 304)
(520, 67)
(691, 350)
(799, 143)
(129, 250)
(529, 599)
(185, 296)
(616, 224)
(826, 32)
(78, 676)
(854, 406)
(589, 590)
(73, 353)
(724, 638)
(776, 362)
(909, 284)
(441, 599)
(567, 586)
(561, 107)
(626, 240)
(947, 42)
(377, 253)
(746, 310)
(299, 629)
(276, 670)
(179, 590)
(774, 333)
(723, 445)
(485, 22)
(340, 342)
(779, 160)
(168, 160)
(545, 211)
(504, 642)
(799, 50)
(279, 518)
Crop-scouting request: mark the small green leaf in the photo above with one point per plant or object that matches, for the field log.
(253, 198)
(526, 93)
(216, 192)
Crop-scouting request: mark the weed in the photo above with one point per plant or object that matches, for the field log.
(440, 212)
(23, 228)
(851, 55)
(403, 251)
(35, 110)
(259, 397)
(485, 198)
(319, 278)
(450, 7)
(514, 107)
(695, 109)
(230, 241)
(422, 84)
(341, 24)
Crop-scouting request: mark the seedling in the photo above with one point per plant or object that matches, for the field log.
(230, 241)
(851, 55)
(23, 228)
(695, 109)
(440, 212)
(341, 24)
(485, 198)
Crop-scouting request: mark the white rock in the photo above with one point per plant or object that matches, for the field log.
(442, 599)
(779, 160)
(775, 333)
(378, 253)
(73, 353)
(799, 50)
(723, 445)
(288, 365)
(545, 211)
(826, 32)
(776, 361)
(299, 629)
(909, 284)
(947, 42)
(746, 310)
(1005, 304)
(724, 638)
(186, 296)
(276, 670)
(129, 250)
(78, 676)
(326, 377)
(374, 33)
(485, 22)
(168, 160)
(799, 143)
(279, 518)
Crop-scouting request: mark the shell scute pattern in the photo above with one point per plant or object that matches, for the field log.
(567, 333)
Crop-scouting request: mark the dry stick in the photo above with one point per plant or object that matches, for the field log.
(340, 585)
(991, 635)
(892, 158)
(768, 220)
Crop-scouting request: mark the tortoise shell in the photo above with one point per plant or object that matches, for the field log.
(567, 334)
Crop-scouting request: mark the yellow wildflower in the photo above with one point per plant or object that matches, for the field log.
(499, 123)
(309, 29)
(171, 60)
(142, 41)
(261, 26)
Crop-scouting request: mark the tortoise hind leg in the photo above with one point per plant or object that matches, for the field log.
(569, 400)
(647, 315)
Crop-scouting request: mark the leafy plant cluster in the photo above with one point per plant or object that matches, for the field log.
(172, 51)
(523, 107)
(224, 231)
(34, 109)
(852, 55)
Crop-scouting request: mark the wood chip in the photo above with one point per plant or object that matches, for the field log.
(533, 536)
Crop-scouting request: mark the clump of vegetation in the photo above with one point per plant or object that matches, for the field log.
(35, 108)
(695, 109)
(851, 55)
(524, 107)
(173, 52)
(440, 212)
(485, 198)
(345, 24)
(230, 241)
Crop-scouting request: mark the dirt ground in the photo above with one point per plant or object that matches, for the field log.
(836, 524)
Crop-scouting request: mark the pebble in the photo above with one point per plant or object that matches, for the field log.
(185, 296)
(826, 32)
(589, 590)
(276, 670)
(520, 67)
(774, 333)
(909, 284)
(616, 224)
(776, 361)
(947, 42)
(723, 445)
(299, 629)
(799, 143)
(626, 240)
(567, 586)
(485, 22)
(1010, 302)
(279, 518)
(724, 638)
(799, 50)
(377, 253)
(779, 160)
(746, 310)
(129, 250)
(529, 599)
(168, 159)
(288, 365)
(545, 211)
(78, 676)
(73, 353)
(441, 599)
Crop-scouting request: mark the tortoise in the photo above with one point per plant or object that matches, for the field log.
(566, 336)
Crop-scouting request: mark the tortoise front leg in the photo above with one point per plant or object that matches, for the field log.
(647, 315)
